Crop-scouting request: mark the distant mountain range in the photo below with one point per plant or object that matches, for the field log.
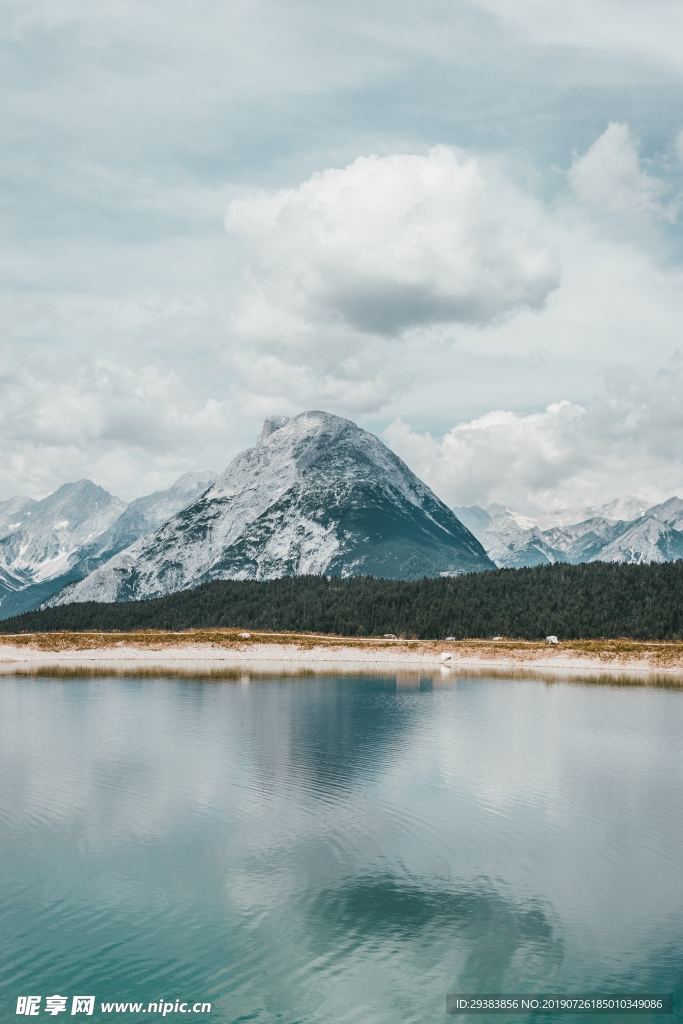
(653, 534)
(315, 495)
(46, 545)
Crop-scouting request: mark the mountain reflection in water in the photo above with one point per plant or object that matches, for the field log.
(341, 848)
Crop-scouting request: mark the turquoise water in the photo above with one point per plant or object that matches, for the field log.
(338, 848)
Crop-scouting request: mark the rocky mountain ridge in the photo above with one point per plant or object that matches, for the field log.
(47, 544)
(512, 541)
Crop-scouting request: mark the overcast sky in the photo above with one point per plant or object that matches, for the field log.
(458, 223)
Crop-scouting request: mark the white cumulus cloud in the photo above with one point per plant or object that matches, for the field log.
(388, 244)
(561, 458)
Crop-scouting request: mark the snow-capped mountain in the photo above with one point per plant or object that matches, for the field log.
(510, 540)
(657, 536)
(146, 514)
(61, 539)
(669, 512)
(583, 542)
(45, 545)
(315, 495)
(13, 514)
(653, 535)
(55, 528)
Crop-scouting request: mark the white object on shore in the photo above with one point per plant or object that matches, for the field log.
(496, 638)
(389, 636)
(450, 638)
(551, 640)
(445, 657)
(244, 636)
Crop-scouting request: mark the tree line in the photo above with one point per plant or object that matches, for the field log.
(573, 601)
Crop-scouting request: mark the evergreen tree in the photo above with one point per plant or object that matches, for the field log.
(573, 601)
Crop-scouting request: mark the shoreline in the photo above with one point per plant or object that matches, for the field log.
(211, 650)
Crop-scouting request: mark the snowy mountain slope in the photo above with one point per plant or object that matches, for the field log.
(26, 582)
(143, 515)
(583, 542)
(57, 527)
(511, 540)
(648, 539)
(13, 514)
(669, 512)
(315, 495)
(43, 550)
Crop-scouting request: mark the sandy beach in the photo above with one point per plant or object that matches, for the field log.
(229, 648)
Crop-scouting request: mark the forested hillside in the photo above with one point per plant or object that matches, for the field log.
(573, 601)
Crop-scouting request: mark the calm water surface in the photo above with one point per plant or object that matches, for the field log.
(338, 848)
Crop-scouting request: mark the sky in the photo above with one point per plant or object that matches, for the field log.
(458, 223)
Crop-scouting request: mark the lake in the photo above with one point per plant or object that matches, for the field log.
(338, 848)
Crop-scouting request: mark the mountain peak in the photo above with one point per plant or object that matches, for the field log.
(304, 424)
(80, 490)
(74, 486)
(270, 425)
(622, 509)
(46, 542)
(317, 494)
(191, 481)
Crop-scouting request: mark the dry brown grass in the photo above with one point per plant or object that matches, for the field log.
(624, 650)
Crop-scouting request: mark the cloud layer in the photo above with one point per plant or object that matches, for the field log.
(407, 287)
(533, 261)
